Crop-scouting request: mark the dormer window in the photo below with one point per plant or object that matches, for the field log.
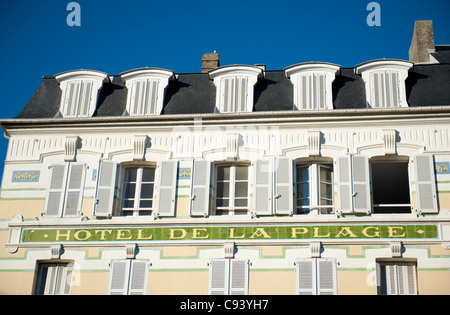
(146, 90)
(80, 90)
(234, 87)
(312, 83)
(385, 82)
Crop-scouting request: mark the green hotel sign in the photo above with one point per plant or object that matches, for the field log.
(183, 233)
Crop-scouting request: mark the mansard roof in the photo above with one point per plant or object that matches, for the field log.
(195, 93)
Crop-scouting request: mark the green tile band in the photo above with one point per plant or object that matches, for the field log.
(182, 233)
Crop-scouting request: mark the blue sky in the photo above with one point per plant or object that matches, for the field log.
(116, 36)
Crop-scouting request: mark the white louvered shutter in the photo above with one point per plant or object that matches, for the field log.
(283, 195)
(85, 99)
(74, 190)
(306, 283)
(262, 201)
(56, 191)
(167, 188)
(218, 277)
(238, 277)
(200, 182)
(71, 99)
(326, 273)
(135, 98)
(345, 204)
(138, 277)
(425, 184)
(227, 95)
(241, 94)
(361, 184)
(118, 277)
(104, 196)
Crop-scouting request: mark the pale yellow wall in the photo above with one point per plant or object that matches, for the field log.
(356, 282)
(178, 282)
(90, 283)
(16, 283)
(29, 209)
(271, 282)
(436, 282)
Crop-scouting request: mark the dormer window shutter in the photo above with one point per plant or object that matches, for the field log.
(312, 82)
(80, 90)
(235, 87)
(385, 82)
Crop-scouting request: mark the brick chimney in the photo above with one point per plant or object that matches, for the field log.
(422, 41)
(210, 62)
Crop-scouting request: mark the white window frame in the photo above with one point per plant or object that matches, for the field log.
(315, 277)
(232, 181)
(65, 190)
(147, 76)
(236, 73)
(314, 182)
(58, 280)
(399, 278)
(124, 282)
(136, 209)
(223, 282)
(379, 93)
(312, 83)
(80, 78)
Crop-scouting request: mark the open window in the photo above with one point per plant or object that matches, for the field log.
(232, 192)
(396, 278)
(138, 184)
(390, 185)
(314, 187)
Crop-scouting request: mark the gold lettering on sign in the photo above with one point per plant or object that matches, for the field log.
(346, 231)
(79, 238)
(58, 235)
(196, 233)
(393, 230)
(235, 236)
(103, 233)
(140, 237)
(173, 231)
(298, 230)
(375, 234)
(121, 235)
(316, 233)
(260, 232)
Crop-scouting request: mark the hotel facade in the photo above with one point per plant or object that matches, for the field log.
(314, 179)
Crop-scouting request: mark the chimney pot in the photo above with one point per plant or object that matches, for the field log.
(422, 41)
(210, 62)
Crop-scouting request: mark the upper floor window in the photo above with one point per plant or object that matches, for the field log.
(312, 84)
(80, 91)
(385, 82)
(137, 187)
(232, 189)
(234, 86)
(146, 89)
(314, 183)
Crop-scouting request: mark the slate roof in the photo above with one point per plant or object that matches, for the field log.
(442, 53)
(195, 93)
